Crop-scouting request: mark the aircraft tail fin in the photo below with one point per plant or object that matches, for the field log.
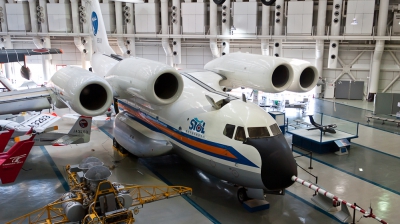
(12, 161)
(4, 138)
(82, 127)
(98, 32)
(312, 120)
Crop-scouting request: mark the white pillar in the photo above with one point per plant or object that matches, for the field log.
(266, 11)
(176, 26)
(130, 41)
(319, 47)
(278, 28)
(335, 31)
(33, 15)
(46, 60)
(379, 47)
(43, 25)
(75, 16)
(8, 45)
(4, 24)
(213, 29)
(226, 26)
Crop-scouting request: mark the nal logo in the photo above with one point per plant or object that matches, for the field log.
(95, 23)
(17, 159)
(197, 125)
(83, 123)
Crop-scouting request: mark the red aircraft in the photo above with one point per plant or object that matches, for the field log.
(12, 161)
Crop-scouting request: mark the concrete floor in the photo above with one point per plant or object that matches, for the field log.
(376, 152)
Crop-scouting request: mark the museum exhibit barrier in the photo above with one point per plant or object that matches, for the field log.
(319, 139)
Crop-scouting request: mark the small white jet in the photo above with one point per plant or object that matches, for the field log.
(79, 133)
(187, 112)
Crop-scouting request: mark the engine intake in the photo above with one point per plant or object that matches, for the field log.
(152, 81)
(264, 73)
(82, 91)
(305, 76)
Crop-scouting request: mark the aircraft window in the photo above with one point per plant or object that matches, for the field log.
(240, 135)
(228, 131)
(258, 132)
(275, 129)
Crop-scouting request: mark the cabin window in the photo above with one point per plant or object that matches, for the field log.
(275, 129)
(229, 130)
(240, 134)
(258, 132)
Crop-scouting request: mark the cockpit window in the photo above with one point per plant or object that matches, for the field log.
(258, 132)
(240, 135)
(229, 130)
(275, 129)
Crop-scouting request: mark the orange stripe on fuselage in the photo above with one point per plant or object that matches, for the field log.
(194, 143)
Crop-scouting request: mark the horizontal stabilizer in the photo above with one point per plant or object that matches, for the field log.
(41, 122)
(67, 140)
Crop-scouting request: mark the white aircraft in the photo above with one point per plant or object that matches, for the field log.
(165, 111)
(79, 133)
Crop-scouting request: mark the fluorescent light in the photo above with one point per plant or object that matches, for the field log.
(360, 169)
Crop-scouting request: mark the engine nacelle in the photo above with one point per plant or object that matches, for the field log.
(264, 73)
(83, 91)
(305, 75)
(152, 81)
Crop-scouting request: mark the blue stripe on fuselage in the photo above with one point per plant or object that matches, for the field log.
(239, 157)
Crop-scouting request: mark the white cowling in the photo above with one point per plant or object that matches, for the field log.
(83, 91)
(152, 81)
(305, 75)
(260, 72)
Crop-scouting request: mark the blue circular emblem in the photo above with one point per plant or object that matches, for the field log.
(95, 23)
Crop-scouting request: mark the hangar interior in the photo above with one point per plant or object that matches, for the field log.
(348, 41)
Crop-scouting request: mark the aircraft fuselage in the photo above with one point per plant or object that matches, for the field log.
(209, 138)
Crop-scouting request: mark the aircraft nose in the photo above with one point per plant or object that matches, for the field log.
(278, 165)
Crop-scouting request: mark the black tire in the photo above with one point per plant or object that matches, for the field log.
(242, 195)
(268, 2)
(219, 2)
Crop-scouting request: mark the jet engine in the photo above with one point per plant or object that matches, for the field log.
(84, 92)
(305, 75)
(152, 81)
(264, 73)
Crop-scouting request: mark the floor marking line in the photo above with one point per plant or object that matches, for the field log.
(313, 206)
(55, 169)
(375, 150)
(351, 174)
(189, 200)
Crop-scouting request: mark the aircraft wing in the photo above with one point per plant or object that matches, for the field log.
(35, 99)
(16, 55)
(309, 129)
(41, 121)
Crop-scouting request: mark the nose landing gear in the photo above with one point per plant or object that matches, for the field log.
(242, 195)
